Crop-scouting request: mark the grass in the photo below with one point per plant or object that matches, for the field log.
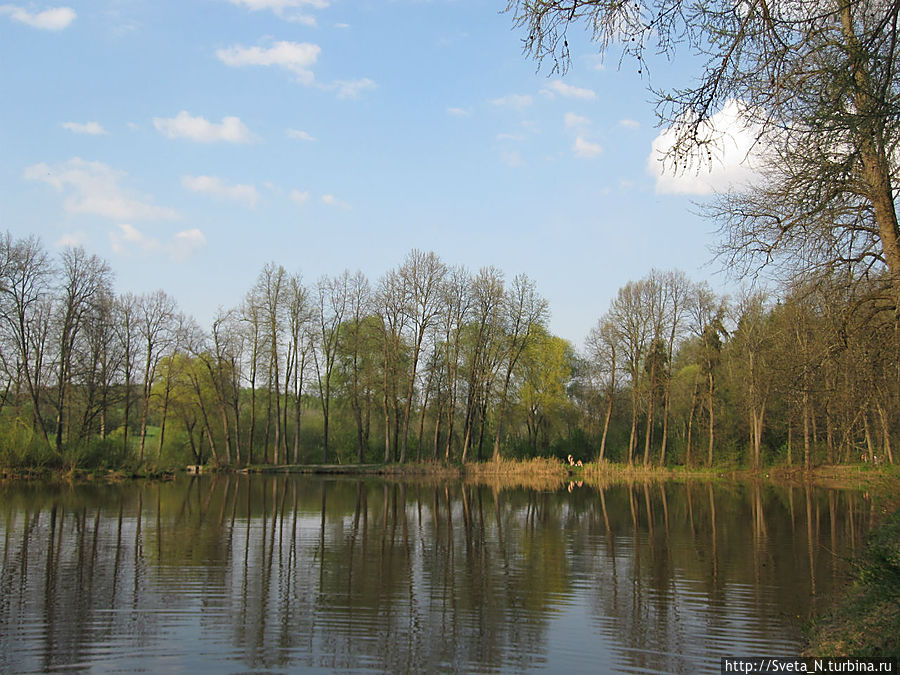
(867, 621)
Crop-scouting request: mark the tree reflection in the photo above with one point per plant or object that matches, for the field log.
(293, 572)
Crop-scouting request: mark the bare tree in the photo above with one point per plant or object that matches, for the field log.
(128, 338)
(390, 300)
(457, 303)
(524, 311)
(354, 338)
(331, 300)
(422, 274)
(85, 279)
(25, 275)
(156, 327)
(819, 82)
(299, 319)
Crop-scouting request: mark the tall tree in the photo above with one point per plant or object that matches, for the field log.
(603, 346)
(331, 304)
(156, 327)
(524, 313)
(25, 275)
(422, 275)
(818, 84)
(85, 279)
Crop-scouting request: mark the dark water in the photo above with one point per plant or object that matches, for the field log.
(291, 573)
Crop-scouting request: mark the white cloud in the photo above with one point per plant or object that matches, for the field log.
(730, 162)
(459, 112)
(72, 239)
(128, 237)
(512, 158)
(629, 124)
(296, 57)
(573, 121)
(57, 18)
(90, 128)
(331, 200)
(510, 137)
(289, 10)
(185, 244)
(183, 125)
(299, 135)
(351, 88)
(517, 101)
(585, 149)
(93, 188)
(569, 91)
(299, 198)
(243, 194)
(127, 240)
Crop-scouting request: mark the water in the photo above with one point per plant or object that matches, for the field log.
(291, 573)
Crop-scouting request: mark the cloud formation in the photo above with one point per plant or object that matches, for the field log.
(212, 185)
(517, 101)
(289, 10)
(733, 159)
(585, 149)
(89, 128)
(351, 88)
(57, 18)
(299, 135)
(331, 200)
(299, 198)
(296, 57)
(573, 121)
(569, 91)
(127, 240)
(93, 188)
(184, 125)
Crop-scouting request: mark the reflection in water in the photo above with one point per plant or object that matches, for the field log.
(230, 573)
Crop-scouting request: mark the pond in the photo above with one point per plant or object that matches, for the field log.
(237, 573)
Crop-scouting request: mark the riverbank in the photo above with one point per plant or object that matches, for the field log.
(883, 479)
(867, 621)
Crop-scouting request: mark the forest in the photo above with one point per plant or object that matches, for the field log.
(433, 362)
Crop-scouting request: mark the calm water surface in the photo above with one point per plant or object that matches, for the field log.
(293, 573)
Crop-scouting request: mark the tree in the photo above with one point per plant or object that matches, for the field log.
(156, 327)
(270, 290)
(817, 83)
(125, 321)
(707, 312)
(603, 346)
(487, 298)
(390, 299)
(86, 279)
(299, 318)
(354, 346)
(457, 304)
(751, 342)
(629, 313)
(547, 369)
(332, 296)
(525, 312)
(422, 274)
(25, 274)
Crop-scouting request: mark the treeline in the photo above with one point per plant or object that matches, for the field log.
(434, 362)
(810, 377)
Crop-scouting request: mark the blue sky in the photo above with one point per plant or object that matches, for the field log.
(188, 143)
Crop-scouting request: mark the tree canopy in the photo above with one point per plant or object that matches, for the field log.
(817, 85)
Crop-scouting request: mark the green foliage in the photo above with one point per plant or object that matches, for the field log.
(867, 622)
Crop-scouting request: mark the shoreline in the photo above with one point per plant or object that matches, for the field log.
(884, 478)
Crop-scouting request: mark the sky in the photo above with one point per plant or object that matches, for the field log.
(189, 143)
